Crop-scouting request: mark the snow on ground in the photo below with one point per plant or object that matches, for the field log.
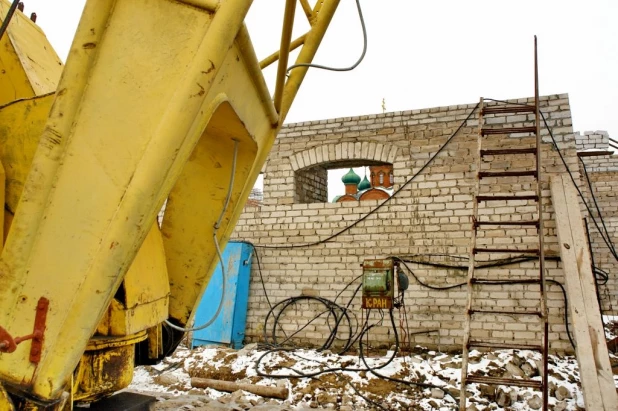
(326, 380)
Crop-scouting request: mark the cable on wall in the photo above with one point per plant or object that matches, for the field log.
(218, 249)
(353, 66)
(382, 204)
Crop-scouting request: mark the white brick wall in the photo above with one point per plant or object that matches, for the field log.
(430, 216)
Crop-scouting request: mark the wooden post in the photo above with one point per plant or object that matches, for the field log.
(274, 392)
(594, 367)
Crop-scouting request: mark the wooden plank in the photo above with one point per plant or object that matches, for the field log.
(592, 356)
(228, 386)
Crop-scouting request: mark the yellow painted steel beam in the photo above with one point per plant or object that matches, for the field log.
(307, 9)
(286, 38)
(106, 366)
(122, 128)
(2, 199)
(317, 8)
(29, 66)
(245, 47)
(145, 297)
(325, 10)
(5, 402)
(209, 5)
(21, 125)
(126, 131)
(275, 56)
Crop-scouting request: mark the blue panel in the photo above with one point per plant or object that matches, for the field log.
(242, 296)
(229, 326)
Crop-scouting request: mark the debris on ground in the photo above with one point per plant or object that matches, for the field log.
(421, 380)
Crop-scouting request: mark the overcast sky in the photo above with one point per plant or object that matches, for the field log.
(435, 53)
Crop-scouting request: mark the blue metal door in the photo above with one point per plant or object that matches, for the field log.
(229, 326)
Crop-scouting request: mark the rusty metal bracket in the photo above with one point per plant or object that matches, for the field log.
(8, 344)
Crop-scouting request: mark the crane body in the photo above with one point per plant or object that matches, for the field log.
(159, 102)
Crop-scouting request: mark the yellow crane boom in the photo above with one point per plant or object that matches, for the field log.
(159, 101)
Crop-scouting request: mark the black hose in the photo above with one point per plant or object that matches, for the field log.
(373, 369)
(564, 295)
(9, 16)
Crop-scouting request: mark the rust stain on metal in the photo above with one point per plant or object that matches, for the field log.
(199, 93)
(8, 344)
(39, 330)
(378, 263)
(210, 69)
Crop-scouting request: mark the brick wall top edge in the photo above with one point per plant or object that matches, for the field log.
(289, 127)
(589, 133)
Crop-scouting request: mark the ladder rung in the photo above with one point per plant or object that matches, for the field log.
(509, 130)
(537, 313)
(593, 153)
(507, 198)
(508, 109)
(504, 381)
(512, 223)
(483, 174)
(505, 250)
(508, 151)
(497, 281)
(504, 346)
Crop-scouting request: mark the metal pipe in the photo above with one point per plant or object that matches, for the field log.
(251, 63)
(326, 9)
(284, 51)
(307, 10)
(539, 192)
(317, 8)
(275, 56)
(8, 17)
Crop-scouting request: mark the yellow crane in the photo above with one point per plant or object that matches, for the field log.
(159, 101)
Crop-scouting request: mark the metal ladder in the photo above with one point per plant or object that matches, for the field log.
(482, 225)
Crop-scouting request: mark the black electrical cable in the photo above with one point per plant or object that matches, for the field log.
(333, 333)
(331, 307)
(487, 264)
(382, 204)
(564, 295)
(365, 329)
(353, 66)
(594, 200)
(373, 370)
(606, 240)
(259, 264)
(370, 401)
(601, 276)
(333, 330)
(9, 16)
(395, 351)
(299, 374)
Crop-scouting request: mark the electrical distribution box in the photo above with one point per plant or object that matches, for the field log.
(378, 284)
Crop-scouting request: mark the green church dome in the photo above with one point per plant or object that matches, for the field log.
(351, 178)
(364, 185)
